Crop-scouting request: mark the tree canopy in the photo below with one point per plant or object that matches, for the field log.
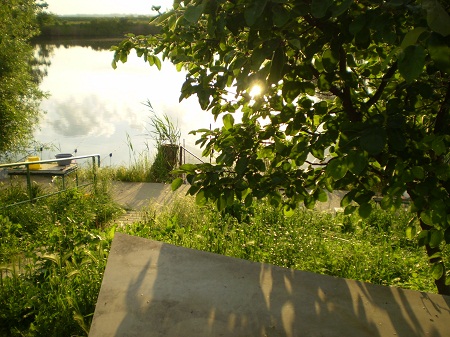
(354, 95)
(19, 93)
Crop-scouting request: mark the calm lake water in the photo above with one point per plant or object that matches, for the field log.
(92, 107)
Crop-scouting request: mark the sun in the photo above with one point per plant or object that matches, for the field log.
(255, 90)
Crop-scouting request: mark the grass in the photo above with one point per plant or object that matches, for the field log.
(52, 256)
(137, 171)
(373, 250)
(141, 168)
(53, 252)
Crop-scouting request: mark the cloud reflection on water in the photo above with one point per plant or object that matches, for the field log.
(88, 116)
(96, 106)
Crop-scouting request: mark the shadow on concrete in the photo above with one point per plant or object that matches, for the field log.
(156, 289)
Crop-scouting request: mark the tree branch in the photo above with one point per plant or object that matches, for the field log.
(344, 96)
(384, 81)
(347, 102)
(315, 164)
(442, 115)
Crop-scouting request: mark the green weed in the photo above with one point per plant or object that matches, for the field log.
(373, 250)
(53, 253)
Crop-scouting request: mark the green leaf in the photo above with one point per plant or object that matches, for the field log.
(275, 199)
(358, 24)
(319, 7)
(200, 198)
(436, 238)
(447, 235)
(350, 209)
(288, 211)
(193, 13)
(253, 13)
(373, 140)
(348, 198)
(423, 238)
(411, 232)
(123, 56)
(321, 195)
(241, 165)
(396, 3)
(363, 38)
(221, 203)
(411, 229)
(437, 17)
(157, 62)
(248, 200)
(323, 83)
(321, 108)
(439, 52)
(437, 270)
(259, 56)
(193, 189)
(426, 218)
(291, 90)
(418, 172)
(229, 197)
(329, 61)
(188, 167)
(280, 16)
(176, 184)
(309, 88)
(337, 10)
(411, 63)
(389, 202)
(277, 66)
(357, 162)
(228, 121)
(438, 146)
(364, 210)
(309, 202)
(412, 36)
(336, 168)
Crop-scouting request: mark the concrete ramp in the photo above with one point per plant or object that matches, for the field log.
(156, 289)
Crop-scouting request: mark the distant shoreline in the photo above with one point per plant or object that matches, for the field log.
(93, 27)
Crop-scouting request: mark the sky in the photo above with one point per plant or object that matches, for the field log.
(138, 7)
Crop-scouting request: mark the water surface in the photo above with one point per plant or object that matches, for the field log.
(92, 107)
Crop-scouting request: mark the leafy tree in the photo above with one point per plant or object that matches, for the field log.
(19, 92)
(355, 95)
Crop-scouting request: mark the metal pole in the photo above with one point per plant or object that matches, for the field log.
(94, 173)
(210, 156)
(29, 183)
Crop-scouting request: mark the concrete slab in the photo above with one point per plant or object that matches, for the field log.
(136, 196)
(156, 289)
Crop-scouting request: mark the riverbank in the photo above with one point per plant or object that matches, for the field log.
(82, 27)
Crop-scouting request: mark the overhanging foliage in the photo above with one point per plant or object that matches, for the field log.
(354, 95)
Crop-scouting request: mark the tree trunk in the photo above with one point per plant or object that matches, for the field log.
(443, 289)
(170, 152)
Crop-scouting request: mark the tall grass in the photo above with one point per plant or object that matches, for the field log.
(138, 168)
(166, 136)
(373, 250)
(52, 257)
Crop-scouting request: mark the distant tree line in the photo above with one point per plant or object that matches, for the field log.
(52, 26)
